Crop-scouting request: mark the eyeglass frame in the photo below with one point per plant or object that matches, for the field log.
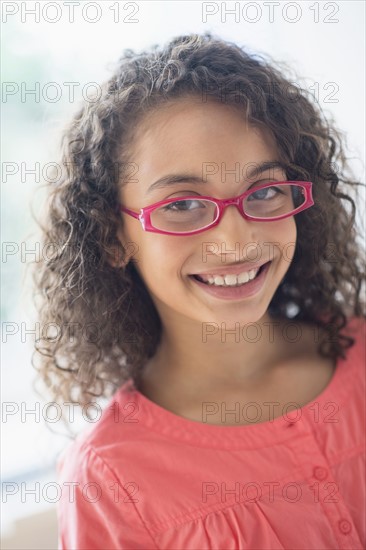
(144, 216)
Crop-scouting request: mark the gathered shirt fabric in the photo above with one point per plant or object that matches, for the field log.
(143, 477)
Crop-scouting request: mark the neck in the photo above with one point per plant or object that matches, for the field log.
(197, 358)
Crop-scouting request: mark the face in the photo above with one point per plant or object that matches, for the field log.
(190, 136)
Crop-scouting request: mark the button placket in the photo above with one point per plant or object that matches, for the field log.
(326, 484)
(322, 487)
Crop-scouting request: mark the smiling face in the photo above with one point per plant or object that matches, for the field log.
(210, 141)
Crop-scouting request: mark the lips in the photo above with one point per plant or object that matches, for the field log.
(244, 291)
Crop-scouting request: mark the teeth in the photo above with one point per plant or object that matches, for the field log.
(217, 280)
(232, 280)
(245, 277)
(229, 280)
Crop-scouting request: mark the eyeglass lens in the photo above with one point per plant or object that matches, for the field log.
(181, 215)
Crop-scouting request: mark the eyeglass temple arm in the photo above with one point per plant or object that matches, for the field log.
(130, 212)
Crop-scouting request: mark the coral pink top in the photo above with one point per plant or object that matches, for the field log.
(143, 477)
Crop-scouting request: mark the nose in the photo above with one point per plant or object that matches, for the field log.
(233, 232)
(232, 218)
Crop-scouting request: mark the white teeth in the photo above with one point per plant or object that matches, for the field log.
(232, 280)
(217, 280)
(244, 277)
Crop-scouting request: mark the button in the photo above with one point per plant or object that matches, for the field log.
(291, 424)
(344, 526)
(320, 473)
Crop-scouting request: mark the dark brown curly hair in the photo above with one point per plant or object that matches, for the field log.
(100, 325)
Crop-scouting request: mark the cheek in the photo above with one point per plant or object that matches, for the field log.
(160, 257)
(287, 236)
(282, 241)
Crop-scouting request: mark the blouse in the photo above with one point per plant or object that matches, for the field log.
(143, 477)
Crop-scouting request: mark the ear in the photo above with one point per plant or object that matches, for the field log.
(115, 257)
(121, 255)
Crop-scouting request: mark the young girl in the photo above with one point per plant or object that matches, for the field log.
(206, 278)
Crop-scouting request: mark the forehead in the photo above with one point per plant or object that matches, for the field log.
(184, 134)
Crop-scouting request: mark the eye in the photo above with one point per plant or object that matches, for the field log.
(266, 193)
(183, 205)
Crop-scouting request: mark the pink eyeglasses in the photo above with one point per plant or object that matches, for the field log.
(192, 214)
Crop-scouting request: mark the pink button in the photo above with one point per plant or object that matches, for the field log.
(344, 526)
(320, 473)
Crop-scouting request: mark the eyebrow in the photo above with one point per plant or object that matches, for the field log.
(170, 179)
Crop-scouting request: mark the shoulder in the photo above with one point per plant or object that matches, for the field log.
(355, 354)
(354, 335)
(98, 507)
(105, 439)
(350, 380)
(356, 326)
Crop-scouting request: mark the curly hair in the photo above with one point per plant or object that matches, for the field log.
(105, 325)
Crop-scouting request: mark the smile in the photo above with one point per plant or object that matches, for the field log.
(234, 289)
(234, 276)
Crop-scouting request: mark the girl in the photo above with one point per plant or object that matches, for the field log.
(207, 280)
